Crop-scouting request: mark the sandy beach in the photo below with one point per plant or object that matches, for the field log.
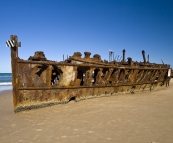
(144, 117)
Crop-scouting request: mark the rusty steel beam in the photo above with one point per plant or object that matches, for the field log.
(75, 87)
(88, 65)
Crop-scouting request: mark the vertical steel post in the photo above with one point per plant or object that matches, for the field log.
(124, 55)
(143, 54)
(14, 57)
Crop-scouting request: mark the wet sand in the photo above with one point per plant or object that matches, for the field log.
(144, 117)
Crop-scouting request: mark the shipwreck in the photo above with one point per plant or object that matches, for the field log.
(38, 82)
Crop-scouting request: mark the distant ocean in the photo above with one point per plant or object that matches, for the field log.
(5, 81)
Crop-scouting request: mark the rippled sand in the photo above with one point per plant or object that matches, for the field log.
(145, 117)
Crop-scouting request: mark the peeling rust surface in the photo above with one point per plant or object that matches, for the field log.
(38, 82)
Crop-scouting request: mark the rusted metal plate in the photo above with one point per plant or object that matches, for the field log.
(38, 82)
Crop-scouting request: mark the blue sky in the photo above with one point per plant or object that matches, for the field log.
(60, 27)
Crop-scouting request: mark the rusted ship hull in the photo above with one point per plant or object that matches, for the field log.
(38, 82)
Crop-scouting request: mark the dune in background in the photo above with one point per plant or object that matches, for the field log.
(144, 117)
